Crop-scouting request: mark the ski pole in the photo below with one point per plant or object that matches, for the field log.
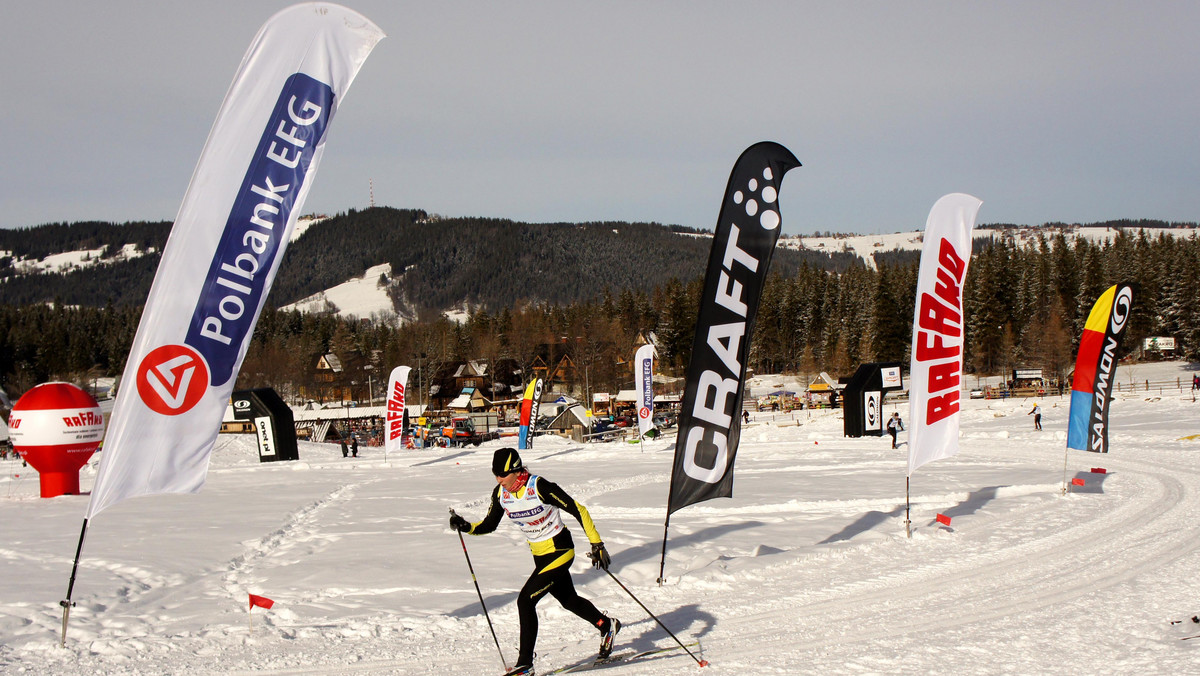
(481, 603)
(703, 663)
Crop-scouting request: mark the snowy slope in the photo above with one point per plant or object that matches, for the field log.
(864, 246)
(360, 296)
(805, 571)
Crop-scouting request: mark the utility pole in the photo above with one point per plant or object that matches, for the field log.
(370, 385)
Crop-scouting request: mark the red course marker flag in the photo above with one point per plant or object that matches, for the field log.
(1077, 482)
(261, 601)
(1099, 470)
(942, 518)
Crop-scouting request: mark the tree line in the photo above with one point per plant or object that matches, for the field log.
(438, 263)
(1025, 306)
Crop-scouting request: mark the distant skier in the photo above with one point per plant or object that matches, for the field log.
(354, 445)
(745, 416)
(894, 426)
(535, 505)
(1037, 416)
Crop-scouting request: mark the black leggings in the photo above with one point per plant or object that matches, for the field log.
(551, 575)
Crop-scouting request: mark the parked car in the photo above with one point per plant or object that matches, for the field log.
(664, 421)
(977, 394)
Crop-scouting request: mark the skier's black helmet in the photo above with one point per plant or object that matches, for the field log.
(506, 461)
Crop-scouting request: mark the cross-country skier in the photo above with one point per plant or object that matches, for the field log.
(536, 505)
(1037, 416)
(894, 425)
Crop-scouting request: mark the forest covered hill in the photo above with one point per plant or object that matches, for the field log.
(439, 263)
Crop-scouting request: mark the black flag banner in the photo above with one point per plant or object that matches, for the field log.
(710, 417)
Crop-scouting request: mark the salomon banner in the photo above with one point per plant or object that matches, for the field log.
(1095, 369)
(393, 441)
(937, 343)
(643, 383)
(746, 233)
(228, 239)
(529, 414)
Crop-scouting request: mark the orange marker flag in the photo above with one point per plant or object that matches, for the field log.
(943, 519)
(1077, 482)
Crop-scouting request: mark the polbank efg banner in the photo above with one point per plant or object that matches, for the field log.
(643, 382)
(225, 247)
(745, 237)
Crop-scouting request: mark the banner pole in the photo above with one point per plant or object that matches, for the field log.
(907, 508)
(1066, 453)
(66, 603)
(662, 564)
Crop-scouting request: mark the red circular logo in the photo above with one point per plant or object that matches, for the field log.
(644, 412)
(172, 379)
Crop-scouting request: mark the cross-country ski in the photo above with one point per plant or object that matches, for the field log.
(621, 658)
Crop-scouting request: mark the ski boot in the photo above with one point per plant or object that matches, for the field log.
(606, 641)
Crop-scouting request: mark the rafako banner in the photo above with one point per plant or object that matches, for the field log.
(393, 440)
(225, 247)
(937, 345)
(746, 233)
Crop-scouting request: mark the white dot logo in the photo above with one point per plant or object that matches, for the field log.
(768, 218)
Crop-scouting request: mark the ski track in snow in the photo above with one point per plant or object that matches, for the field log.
(299, 529)
(1059, 560)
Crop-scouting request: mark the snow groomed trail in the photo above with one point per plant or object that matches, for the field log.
(806, 570)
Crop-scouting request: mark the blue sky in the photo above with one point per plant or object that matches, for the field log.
(567, 111)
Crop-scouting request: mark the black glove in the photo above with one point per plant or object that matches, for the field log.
(458, 523)
(599, 556)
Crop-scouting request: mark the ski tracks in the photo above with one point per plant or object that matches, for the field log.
(156, 599)
(1038, 558)
(299, 529)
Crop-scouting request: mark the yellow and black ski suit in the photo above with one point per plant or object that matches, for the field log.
(534, 507)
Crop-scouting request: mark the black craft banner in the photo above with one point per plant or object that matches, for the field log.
(710, 417)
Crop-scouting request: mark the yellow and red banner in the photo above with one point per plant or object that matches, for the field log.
(1095, 369)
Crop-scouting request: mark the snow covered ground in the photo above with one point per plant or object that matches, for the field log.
(806, 570)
